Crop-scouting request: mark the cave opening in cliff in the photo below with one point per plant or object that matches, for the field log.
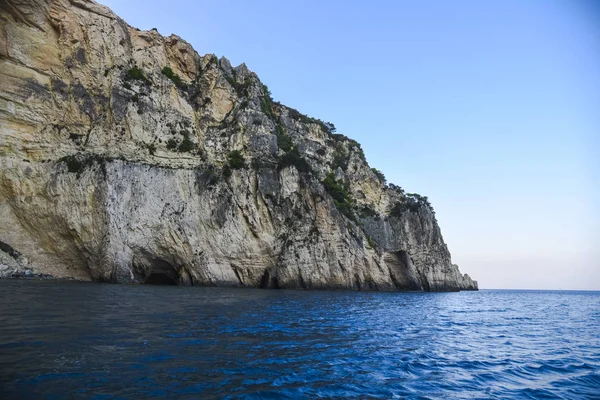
(159, 279)
(161, 272)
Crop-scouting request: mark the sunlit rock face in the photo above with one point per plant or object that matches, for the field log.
(127, 157)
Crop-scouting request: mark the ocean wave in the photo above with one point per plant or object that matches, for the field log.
(137, 342)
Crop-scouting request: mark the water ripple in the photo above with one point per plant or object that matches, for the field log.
(74, 340)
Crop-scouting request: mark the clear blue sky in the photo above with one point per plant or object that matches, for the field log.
(490, 108)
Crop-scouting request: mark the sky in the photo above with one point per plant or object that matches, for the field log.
(489, 108)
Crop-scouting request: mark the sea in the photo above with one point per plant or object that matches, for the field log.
(75, 340)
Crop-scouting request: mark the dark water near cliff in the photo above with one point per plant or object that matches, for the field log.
(76, 340)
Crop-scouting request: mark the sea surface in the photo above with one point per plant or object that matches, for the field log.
(69, 340)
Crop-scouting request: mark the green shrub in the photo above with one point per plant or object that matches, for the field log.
(186, 144)
(241, 89)
(78, 163)
(340, 159)
(346, 209)
(340, 194)
(73, 164)
(330, 127)
(357, 148)
(294, 114)
(284, 141)
(338, 137)
(353, 145)
(171, 144)
(407, 204)
(337, 191)
(267, 91)
(396, 188)
(418, 198)
(298, 116)
(294, 158)
(236, 159)
(168, 72)
(266, 103)
(136, 74)
(397, 210)
(379, 174)
(366, 211)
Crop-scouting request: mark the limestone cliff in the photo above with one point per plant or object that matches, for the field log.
(127, 157)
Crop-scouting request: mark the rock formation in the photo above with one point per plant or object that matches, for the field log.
(127, 157)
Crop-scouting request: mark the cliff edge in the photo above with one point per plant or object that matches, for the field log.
(127, 157)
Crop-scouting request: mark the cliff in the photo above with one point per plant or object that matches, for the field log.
(127, 157)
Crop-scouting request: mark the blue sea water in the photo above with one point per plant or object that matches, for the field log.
(65, 340)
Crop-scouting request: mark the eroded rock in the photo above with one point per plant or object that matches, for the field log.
(116, 165)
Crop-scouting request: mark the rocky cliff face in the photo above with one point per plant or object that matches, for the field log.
(127, 157)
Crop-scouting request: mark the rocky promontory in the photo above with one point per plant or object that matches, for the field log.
(127, 157)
